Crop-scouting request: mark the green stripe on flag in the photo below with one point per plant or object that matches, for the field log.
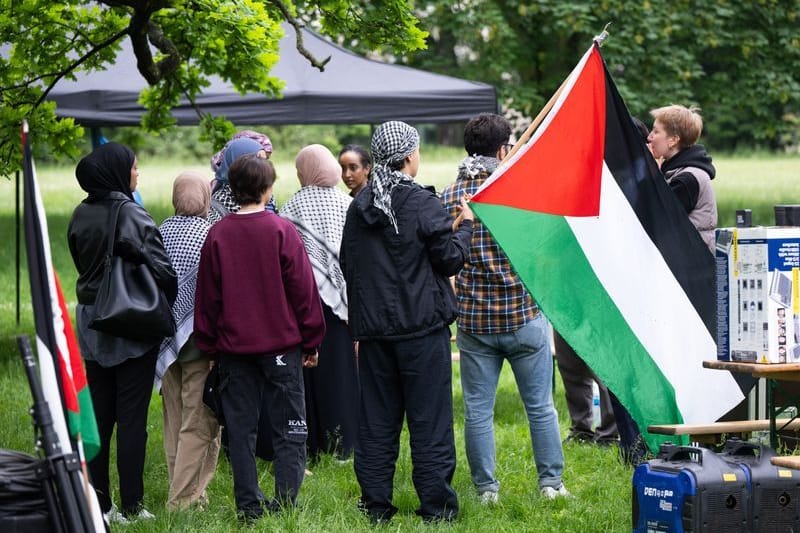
(84, 421)
(548, 258)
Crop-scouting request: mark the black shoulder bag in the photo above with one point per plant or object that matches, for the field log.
(129, 302)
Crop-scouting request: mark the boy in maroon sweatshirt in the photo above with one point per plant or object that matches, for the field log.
(258, 313)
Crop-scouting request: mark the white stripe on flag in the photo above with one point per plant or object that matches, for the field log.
(47, 369)
(655, 306)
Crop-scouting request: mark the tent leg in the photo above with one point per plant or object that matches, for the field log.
(97, 137)
(17, 217)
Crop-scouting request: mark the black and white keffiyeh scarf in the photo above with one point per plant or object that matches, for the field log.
(319, 213)
(391, 143)
(477, 166)
(183, 238)
(222, 203)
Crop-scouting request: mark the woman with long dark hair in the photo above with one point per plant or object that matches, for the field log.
(119, 370)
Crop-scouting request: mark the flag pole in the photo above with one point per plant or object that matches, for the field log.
(598, 40)
(61, 470)
(536, 121)
(524, 137)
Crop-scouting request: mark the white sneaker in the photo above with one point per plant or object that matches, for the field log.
(113, 516)
(489, 497)
(552, 493)
(144, 514)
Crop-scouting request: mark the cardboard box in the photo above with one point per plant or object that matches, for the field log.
(758, 308)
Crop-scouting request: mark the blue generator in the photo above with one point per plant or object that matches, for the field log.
(689, 490)
(773, 491)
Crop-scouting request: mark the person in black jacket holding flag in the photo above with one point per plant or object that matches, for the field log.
(398, 250)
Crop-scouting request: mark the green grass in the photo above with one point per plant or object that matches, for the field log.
(600, 484)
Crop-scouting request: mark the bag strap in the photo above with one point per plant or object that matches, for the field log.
(113, 217)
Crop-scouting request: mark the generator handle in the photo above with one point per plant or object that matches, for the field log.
(741, 448)
(670, 452)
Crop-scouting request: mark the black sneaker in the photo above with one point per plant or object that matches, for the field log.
(447, 516)
(249, 517)
(377, 516)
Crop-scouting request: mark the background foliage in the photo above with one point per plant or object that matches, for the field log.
(235, 39)
(739, 60)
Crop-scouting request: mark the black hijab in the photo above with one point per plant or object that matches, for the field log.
(106, 169)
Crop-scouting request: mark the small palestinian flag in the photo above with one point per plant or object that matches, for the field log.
(62, 373)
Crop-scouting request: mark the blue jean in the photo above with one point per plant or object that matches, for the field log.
(528, 352)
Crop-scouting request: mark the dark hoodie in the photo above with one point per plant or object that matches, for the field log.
(689, 174)
(684, 184)
(397, 283)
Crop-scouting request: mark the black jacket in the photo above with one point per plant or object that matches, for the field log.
(397, 283)
(137, 240)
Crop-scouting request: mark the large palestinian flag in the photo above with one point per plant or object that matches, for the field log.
(599, 240)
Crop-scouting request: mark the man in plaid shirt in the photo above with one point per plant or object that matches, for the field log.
(498, 320)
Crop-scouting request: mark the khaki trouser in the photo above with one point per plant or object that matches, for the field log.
(191, 434)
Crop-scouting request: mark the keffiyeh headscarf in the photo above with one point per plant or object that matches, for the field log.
(391, 143)
(183, 236)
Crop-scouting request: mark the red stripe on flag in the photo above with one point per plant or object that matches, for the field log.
(75, 379)
(557, 177)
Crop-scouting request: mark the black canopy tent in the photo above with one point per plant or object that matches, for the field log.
(351, 90)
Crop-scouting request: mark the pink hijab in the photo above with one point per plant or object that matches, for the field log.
(317, 166)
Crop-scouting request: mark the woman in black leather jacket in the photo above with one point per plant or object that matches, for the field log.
(120, 371)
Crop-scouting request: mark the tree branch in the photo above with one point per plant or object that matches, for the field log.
(298, 26)
(27, 83)
(142, 29)
(111, 40)
(200, 112)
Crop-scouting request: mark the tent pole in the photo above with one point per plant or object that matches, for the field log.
(97, 137)
(17, 217)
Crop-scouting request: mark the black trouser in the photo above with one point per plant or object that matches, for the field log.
(578, 378)
(332, 392)
(632, 447)
(411, 377)
(121, 395)
(244, 380)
